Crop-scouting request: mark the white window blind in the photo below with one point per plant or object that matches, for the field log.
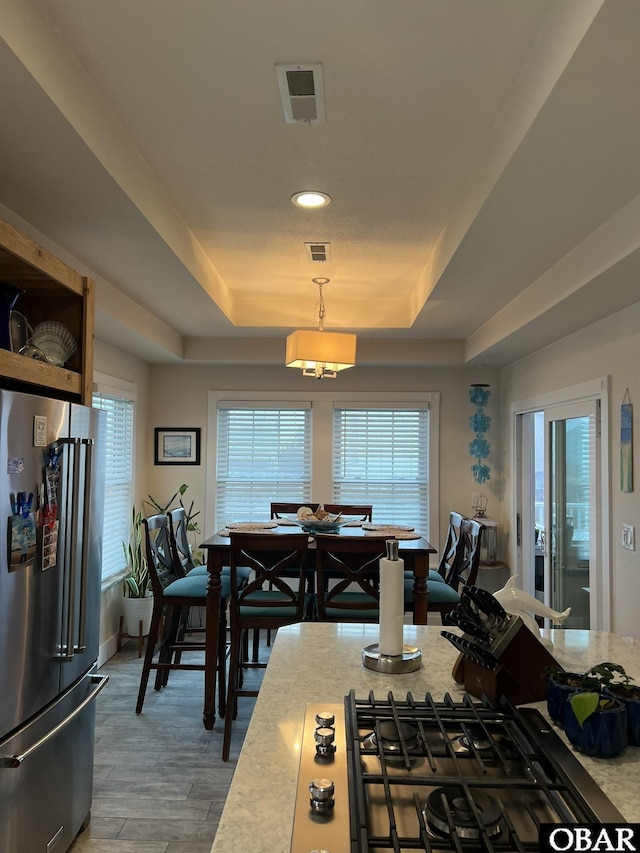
(381, 457)
(118, 478)
(263, 455)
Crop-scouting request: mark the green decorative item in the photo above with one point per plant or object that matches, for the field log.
(480, 423)
(137, 582)
(584, 705)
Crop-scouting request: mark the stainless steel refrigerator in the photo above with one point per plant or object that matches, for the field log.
(51, 493)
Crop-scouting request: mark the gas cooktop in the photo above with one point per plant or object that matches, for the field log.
(405, 774)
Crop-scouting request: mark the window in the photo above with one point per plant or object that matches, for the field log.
(325, 447)
(381, 457)
(119, 404)
(263, 454)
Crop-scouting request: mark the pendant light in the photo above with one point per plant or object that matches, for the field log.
(320, 354)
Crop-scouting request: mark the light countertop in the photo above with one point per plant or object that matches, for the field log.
(321, 662)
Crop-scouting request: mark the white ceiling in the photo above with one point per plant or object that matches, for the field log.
(482, 156)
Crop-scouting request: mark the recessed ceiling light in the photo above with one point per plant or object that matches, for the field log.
(310, 199)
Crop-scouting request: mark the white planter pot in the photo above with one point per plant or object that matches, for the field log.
(136, 609)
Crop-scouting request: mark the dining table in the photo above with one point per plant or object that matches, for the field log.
(413, 549)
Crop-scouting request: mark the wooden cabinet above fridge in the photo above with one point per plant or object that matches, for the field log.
(51, 291)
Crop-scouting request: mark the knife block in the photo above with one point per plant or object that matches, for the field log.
(519, 676)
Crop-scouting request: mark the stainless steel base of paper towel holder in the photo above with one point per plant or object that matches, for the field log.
(408, 661)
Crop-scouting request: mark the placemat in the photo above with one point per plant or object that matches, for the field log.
(251, 525)
(394, 534)
(387, 527)
(226, 532)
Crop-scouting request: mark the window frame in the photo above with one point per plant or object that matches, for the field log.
(322, 406)
(112, 386)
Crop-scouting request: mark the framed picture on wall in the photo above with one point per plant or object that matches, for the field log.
(177, 446)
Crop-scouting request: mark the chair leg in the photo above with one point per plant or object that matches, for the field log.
(165, 655)
(222, 664)
(148, 658)
(232, 701)
(256, 644)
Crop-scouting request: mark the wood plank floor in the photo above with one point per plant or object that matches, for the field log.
(159, 781)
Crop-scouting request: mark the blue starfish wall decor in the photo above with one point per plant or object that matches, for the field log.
(480, 423)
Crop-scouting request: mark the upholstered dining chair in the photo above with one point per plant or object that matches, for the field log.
(174, 593)
(364, 511)
(280, 509)
(270, 600)
(348, 577)
(449, 553)
(458, 566)
(183, 560)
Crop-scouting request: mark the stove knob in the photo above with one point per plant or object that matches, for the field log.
(324, 738)
(321, 791)
(325, 718)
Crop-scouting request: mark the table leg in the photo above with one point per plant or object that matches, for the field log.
(420, 591)
(214, 567)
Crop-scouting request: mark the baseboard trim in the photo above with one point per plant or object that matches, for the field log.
(108, 649)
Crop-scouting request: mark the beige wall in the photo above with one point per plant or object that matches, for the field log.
(187, 388)
(611, 348)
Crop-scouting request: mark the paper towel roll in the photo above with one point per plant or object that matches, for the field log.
(390, 641)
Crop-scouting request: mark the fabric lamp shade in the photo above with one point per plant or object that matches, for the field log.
(335, 350)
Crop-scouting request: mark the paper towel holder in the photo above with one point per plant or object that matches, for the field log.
(409, 661)
(410, 658)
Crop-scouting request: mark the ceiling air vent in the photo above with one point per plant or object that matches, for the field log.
(319, 251)
(301, 92)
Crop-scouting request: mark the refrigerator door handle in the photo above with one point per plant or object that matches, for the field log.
(86, 538)
(70, 569)
(14, 761)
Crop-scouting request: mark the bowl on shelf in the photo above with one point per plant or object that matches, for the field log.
(55, 341)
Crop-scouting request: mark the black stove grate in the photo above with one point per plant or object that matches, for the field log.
(503, 768)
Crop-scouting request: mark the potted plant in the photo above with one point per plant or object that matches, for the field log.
(593, 707)
(191, 515)
(596, 724)
(617, 684)
(138, 599)
(561, 685)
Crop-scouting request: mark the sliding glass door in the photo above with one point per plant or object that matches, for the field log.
(562, 540)
(571, 451)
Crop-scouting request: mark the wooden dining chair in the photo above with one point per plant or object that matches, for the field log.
(280, 508)
(364, 511)
(458, 566)
(348, 577)
(270, 600)
(174, 593)
(465, 570)
(183, 560)
(179, 540)
(449, 553)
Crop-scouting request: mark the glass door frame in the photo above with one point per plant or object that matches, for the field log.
(522, 466)
(554, 540)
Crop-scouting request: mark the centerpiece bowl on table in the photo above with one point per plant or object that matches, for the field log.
(326, 525)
